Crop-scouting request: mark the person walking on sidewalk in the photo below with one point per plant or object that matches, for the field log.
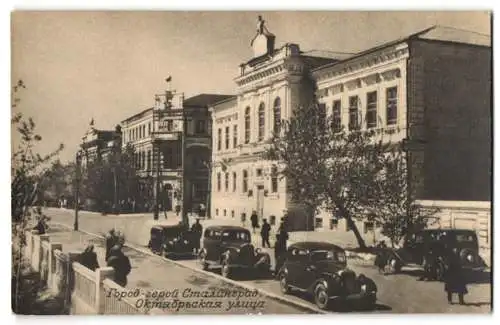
(120, 264)
(454, 280)
(197, 230)
(283, 233)
(89, 258)
(279, 254)
(110, 242)
(254, 219)
(264, 233)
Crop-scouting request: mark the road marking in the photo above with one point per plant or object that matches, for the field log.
(265, 293)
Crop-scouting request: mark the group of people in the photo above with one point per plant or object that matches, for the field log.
(280, 244)
(114, 257)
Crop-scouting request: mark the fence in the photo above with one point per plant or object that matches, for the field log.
(88, 292)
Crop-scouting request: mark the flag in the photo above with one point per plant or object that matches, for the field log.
(169, 78)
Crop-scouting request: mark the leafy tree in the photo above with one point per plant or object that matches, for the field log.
(341, 171)
(396, 210)
(58, 182)
(27, 173)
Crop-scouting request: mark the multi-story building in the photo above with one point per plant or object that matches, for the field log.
(157, 134)
(269, 85)
(97, 144)
(431, 90)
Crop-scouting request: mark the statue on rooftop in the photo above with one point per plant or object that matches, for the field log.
(261, 28)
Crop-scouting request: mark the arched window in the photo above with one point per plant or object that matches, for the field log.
(148, 165)
(277, 115)
(262, 121)
(247, 125)
(234, 182)
(245, 181)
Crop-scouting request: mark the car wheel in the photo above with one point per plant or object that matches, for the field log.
(285, 288)
(394, 265)
(439, 271)
(203, 260)
(225, 270)
(321, 298)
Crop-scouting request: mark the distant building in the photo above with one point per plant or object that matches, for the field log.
(156, 135)
(97, 144)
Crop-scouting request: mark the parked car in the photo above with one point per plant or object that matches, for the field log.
(418, 246)
(320, 269)
(231, 249)
(171, 241)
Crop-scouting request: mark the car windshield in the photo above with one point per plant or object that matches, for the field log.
(323, 255)
(465, 237)
(236, 235)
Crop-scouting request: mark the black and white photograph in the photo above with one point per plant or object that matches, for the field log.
(251, 162)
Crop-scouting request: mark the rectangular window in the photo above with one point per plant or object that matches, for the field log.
(170, 125)
(318, 223)
(334, 224)
(200, 127)
(274, 179)
(368, 227)
(218, 182)
(219, 139)
(392, 105)
(149, 128)
(226, 181)
(371, 110)
(353, 113)
(227, 137)
(235, 136)
(234, 182)
(259, 172)
(336, 116)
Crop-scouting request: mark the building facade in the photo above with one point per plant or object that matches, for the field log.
(431, 90)
(97, 144)
(162, 136)
(269, 86)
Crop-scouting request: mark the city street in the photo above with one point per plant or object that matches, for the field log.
(400, 293)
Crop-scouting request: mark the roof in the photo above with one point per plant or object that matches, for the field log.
(316, 245)
(437, 33)
(234, 228)
(167, 226)
(205, 100)
(137, 115)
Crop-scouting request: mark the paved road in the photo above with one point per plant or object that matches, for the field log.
(400, 293)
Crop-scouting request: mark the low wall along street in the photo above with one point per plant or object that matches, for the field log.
(88, 292)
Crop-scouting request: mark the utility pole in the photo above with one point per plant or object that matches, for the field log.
(77, 188)
(185, 219)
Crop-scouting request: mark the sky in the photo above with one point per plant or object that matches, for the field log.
(107, 65)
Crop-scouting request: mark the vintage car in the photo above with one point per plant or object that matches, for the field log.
(434, 247)
(320, 270)
(230, 248)
(171, 241)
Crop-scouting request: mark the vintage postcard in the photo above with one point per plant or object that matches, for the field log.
(176, 162)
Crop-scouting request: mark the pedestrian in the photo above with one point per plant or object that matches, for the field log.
(197, 230)
(279, 254)
(177, 210)
(203, 210)
(120, 264)
(110, 241)
(89, 258)
(282, 230)
(454, 280)
(264, 233)
(381, 260)
(41, 226)
(429, 264)
(254, 219)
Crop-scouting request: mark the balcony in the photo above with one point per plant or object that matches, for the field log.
(166, 136)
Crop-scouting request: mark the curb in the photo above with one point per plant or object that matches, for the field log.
(219, 277)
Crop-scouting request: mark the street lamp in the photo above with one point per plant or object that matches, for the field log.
(77, 187)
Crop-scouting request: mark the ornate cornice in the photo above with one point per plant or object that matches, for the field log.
(361, 63)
